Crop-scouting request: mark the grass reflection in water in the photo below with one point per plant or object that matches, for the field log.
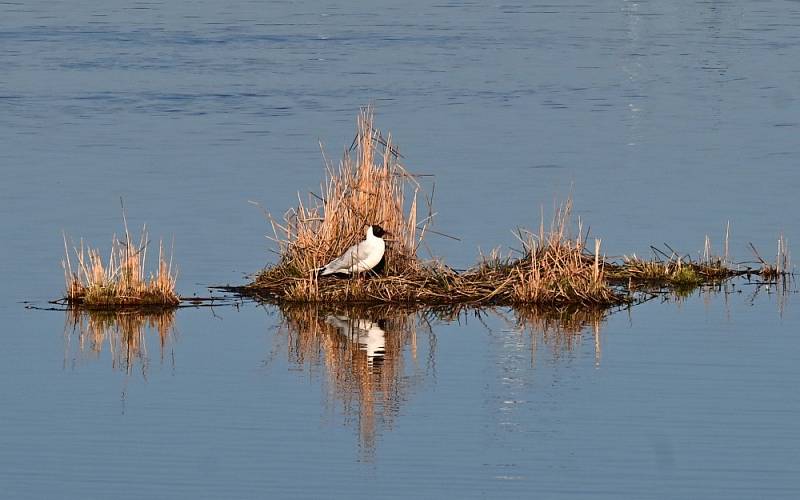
(122, 333)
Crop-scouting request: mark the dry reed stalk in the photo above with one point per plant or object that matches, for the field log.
(783, 259)
(120, 282)
(781, 267)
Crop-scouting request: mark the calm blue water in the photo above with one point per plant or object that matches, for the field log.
(664, 121)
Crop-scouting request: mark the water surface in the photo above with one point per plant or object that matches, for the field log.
(664, 121)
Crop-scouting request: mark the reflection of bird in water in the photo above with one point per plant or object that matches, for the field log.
(370, 336)
(361, 257)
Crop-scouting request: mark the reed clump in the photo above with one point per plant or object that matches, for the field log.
(370, 186)
(672, 272)
(675, 270)
(120, 281)
(555, 269)
(683, 274)
(780, 268)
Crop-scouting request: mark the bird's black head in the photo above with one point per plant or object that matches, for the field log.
(378, 231)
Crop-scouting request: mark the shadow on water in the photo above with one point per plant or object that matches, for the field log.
(123, 334)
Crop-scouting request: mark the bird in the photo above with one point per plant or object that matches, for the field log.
(360, 257)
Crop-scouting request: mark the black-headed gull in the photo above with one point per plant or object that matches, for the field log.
(360, 257)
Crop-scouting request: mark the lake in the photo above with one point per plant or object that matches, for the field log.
(663, 121)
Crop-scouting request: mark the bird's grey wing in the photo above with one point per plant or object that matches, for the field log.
(344, 261)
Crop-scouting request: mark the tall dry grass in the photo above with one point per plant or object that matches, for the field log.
(559, 269)
(369, 186)
(121, 280)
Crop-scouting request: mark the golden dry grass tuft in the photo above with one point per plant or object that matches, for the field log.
(121, 280)
(557, 269)
(369, 186)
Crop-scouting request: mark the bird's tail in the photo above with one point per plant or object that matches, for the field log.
(322, 271)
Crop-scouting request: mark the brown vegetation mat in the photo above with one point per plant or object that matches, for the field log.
(554, 271)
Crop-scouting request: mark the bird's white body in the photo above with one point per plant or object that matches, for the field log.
(358, 258)
(368, 335)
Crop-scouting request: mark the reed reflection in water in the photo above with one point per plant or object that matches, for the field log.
(370, 359)
(561, 330)
(123, 333)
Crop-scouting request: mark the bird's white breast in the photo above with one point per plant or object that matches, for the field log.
(374, 249)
